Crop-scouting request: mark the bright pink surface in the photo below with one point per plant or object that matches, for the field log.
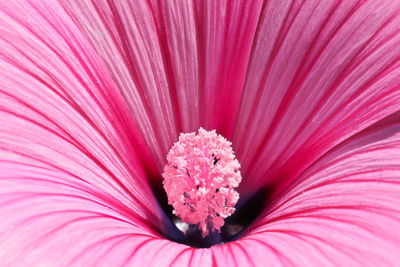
(94, 93)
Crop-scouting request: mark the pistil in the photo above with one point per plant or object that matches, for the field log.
(200, 180)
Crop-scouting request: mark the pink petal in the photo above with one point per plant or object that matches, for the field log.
(344, 210)
(69, 168)
(174, 61)
(320, 71)
(73, 189)
(125, 35)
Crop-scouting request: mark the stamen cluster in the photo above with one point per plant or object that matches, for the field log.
(200, 179)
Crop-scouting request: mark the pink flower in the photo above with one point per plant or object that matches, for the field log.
(95, 93)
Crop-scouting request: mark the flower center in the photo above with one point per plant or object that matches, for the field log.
(200, 180)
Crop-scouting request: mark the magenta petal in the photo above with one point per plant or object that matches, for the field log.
(76, 77)
(320, 71)
(178, 64)
(344, 210)
(207, 46)
(125, 35)
(64, 139)
(225, 35)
